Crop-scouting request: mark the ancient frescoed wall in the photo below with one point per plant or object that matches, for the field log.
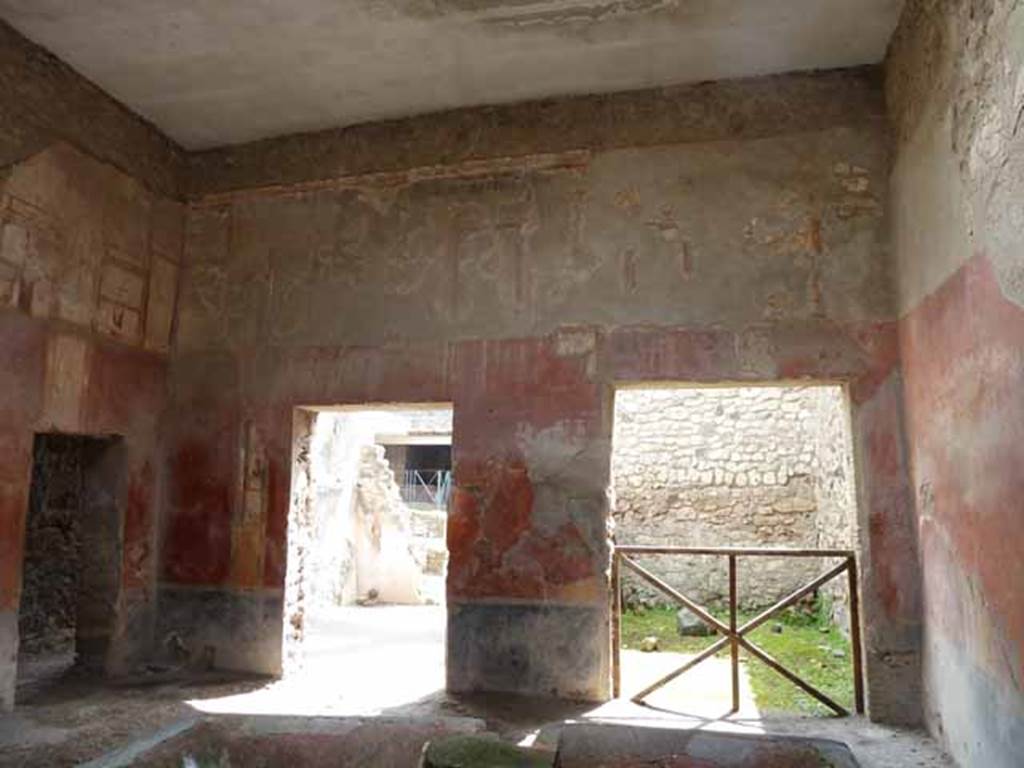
(725, 232)
(90, 249)
(522, 262)
(956, 91)
(89, 262)
(727, 466)
(84, 244)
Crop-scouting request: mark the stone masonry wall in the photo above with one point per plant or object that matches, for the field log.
(834, 484)
(50, 576)
(835, 488)
(730, 467)
(71, 570)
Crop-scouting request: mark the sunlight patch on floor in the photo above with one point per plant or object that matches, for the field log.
(705, 690)
(359, 661)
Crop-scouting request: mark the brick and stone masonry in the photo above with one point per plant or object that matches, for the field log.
(726, 466)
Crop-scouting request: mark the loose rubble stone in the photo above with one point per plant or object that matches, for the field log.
(649, 644)
(689, 625)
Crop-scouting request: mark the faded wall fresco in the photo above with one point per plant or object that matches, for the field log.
(521, 288)
(956, 86)
(83, 243)
(791, 226)
(517, 261)
(88, 270)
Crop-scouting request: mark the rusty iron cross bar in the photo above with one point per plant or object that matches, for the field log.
(735, 636)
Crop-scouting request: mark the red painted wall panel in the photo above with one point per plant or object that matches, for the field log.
(963, 353)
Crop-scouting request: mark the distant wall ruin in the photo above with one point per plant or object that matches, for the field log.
(749, 466)
(351, 536)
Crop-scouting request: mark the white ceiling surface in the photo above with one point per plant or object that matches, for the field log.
(211, 72)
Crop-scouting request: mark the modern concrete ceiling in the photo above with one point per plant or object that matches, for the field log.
(211, 72)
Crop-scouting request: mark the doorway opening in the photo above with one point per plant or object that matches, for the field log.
(72, 559)
(755, 467)
(367, 553)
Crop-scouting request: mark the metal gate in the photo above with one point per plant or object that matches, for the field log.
(732, 635)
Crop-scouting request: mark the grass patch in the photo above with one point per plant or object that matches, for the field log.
(807, 645)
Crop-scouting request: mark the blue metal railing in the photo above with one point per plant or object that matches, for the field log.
(427, 486)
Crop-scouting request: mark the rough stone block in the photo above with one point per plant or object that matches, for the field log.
(689, 625)
(283, 740)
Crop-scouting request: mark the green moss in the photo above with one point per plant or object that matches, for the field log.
(807, 645)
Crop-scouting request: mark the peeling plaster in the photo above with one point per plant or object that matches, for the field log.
(954, 82)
